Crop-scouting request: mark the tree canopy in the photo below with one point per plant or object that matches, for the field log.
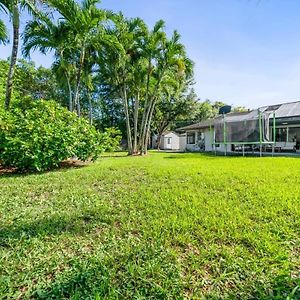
(110, 69)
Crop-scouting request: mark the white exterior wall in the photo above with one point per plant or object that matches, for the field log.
(208, 139)
(174, 141)
(182, 142)
(208, 142)
(223, 148)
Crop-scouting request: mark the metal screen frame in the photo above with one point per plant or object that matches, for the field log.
(260, 142)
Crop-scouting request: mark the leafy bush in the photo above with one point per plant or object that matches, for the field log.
(112, 139)
(37, 135)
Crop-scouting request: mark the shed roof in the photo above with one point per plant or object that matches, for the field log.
(169, 132)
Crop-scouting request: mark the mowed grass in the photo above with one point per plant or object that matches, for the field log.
(165, 226)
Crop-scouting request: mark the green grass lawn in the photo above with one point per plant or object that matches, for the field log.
(165, 226)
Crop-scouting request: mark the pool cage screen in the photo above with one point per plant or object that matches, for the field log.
(252, 128)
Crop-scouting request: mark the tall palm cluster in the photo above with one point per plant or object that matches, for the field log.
(98, 50)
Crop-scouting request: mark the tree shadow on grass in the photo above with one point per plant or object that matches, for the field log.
(189, 155)
(63, 166)
(54, 225)
(117, 154)
(83, 283)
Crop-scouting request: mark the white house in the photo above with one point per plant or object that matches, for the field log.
(199, 137)
(269, 128)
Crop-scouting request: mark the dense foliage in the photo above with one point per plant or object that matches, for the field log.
(31, 81)
(39, 135)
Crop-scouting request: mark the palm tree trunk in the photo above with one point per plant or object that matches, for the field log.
(70, 92)
(14, 55)
(143, 123)
(76, 97)
(148, 126)
(135, 122)
(125, 103)
(148, 116)
(144, 128)
(90, 107)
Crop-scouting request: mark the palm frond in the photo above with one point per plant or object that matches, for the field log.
(159, 25)
(3, 33)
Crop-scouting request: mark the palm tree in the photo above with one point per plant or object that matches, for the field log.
(14, 8)
(121, 70)
(78, 33)
(64, 70)
(88, 78)
(45, 35)
(137, 72)
(153, 44)
(177, 100)
(86, 26)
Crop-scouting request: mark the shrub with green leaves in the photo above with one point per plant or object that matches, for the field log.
(112, 139)
(38, 135)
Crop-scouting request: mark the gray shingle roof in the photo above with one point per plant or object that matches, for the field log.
(210, 122)
(202, 124)
(284, 110)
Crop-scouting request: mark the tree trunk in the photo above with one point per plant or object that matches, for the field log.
(70, 92)
(135, 122)
(76, 97)
(90, 107)
(148, 124)
(161, 128)
(126, 111)
(14, 55)
(144, 127)
(143, 124)
(148, 115)
(158, 141)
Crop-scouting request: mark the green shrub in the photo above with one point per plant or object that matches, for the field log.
(38, 135)
(112, 139)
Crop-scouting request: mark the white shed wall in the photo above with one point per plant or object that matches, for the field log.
(174, 141)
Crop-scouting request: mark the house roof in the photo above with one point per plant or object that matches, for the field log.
(202, 124)
(210, 122)
(283, 110)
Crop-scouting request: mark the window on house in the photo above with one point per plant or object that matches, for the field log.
(294, 134)
(169, 141)
(191, 137)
